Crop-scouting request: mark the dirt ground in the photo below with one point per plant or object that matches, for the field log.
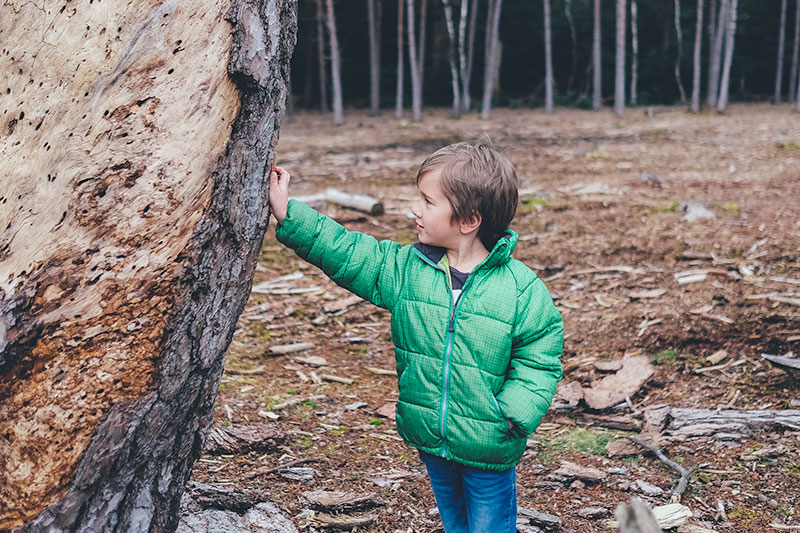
(603, 216)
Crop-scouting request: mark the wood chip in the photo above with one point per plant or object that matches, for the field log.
(716, 357)
(387, 410)
(334, 500)
(312, 360)
(342, 303)
(646, 294)
(613, 389)
(291, 348)
(608, 366)
(646, 324)
(326, 521)
(381, 371)
(337, 379)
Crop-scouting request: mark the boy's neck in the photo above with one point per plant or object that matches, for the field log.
(467, 254)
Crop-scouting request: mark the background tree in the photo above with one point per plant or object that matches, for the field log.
(493, 48)
(415, 61)
(597, 65)
(634, 50)
(398, 107)
(454, 75)
(795, 49)
(698, 43)
(730, 33)
(133, 220)
(374, 24)
(778, 96)
(619, 78)
(336, 69)
(679, 55)
(573, 36)
(466, 97)
(548, 61)
(323, 76)
(716, 53)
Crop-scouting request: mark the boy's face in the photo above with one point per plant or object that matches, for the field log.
(434, 213)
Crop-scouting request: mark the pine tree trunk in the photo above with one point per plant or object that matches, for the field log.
(634, 50)
(548, 61)
(793, 81)
(730, 33)
(374, 60)
(398, 108)
(454, 77)
(712, 37)
(573, 37)
(494, 59)
(466, 97)
(413, 61)
(597, 66)
(716, 54)
(698, 42)
(323, 75)
(777, 97)
(619, 78)
(336, 70)
(423, 25)
(134, 182)
(679, 58)
(462, 52)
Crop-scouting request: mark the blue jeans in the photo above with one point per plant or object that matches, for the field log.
(471, 500)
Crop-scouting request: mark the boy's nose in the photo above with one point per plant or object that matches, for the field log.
(416, 211)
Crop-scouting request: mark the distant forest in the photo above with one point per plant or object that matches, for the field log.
(659, 52)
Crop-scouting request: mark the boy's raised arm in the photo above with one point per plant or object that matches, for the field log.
(535, 359)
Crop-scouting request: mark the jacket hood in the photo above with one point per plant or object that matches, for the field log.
(498, 255)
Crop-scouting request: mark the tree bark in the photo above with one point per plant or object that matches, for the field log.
(454, 77)
(716, 53)
(135, 177)
(548, 61)
(462, 52)
(398, 108)
(634, 50)
(795, 49)
(679, 58)
(423, 28)
(597, 66)
(374, 60)
(573, 37)
(778, 96)
(413, 61)
(492, 66)
(619, 78)
(336, 69)
(466, 97)
(730, 33)
(698, 43)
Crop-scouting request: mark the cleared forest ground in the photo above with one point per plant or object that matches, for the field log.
(603, 218)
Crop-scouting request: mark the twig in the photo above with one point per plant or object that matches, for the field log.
(264, 471)
(684, 472)
(785, 528)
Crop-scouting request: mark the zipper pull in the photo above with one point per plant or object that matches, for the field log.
(451, 327)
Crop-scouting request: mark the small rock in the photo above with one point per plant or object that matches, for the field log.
(299, 473)
(577, 485)
(619, 470)
(695, 211)
(646, 488)
(569, 470)
(524, 527)
(762, 498)
(624, 485)
(773, 503)
(794, 403)
(355, 405)
(592, 512)
(433, 512)
(546, 521)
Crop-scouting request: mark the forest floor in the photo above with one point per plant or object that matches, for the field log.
(603, 219)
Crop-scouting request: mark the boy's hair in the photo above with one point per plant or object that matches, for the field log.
(477, 180)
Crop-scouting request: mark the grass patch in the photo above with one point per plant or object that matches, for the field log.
(664, 358)
(375, 422)
(580, 440)
(533, 203)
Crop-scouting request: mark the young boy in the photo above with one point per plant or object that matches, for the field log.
(477, 337)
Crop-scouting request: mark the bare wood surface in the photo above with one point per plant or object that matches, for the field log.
(683, 423)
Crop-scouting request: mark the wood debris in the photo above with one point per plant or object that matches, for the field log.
(717, 357)
(341, 304)
(780, 297)
(297, 400)
(726, 424)
(790, 365)
(690, 276)
(291, 348)
(608, 366)
(346, 522)
(340, 501)
(685, 473)
(613, 389)
(387, 410)
(337, 379)
(545, 521)
(646, 294)
(312, 360)
(381, 371)
(569, 470)
(242, 439)
(646, 324)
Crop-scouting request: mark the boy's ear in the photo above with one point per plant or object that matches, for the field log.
(470, 224)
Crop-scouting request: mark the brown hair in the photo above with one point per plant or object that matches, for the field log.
(477, 180)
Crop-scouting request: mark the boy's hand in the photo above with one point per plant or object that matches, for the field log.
(279, 193)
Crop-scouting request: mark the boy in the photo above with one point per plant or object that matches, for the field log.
(477, 337)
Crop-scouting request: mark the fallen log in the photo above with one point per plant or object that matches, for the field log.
(359, 202)
(790, 365)
(678, 423)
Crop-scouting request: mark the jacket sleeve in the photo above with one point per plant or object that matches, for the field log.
(538, 340)
(355, 261)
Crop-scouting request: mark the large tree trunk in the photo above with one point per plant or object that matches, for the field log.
(778, 96)
(466, 97)
(716, 53)
(679, 57)
(462, 54)
(634, 50)
(373, 22)
(323, 76)
(597, 66)
(730, 33)
(698, 42)
(795, 50)
(492, 66)
(134, 156)
(454, 76)
(336, 69)
(548, 61)
(619, 78)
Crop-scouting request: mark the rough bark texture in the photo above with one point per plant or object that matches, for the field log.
(134, 147)
(730, 33)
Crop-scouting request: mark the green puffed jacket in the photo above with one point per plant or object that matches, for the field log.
(463, 368)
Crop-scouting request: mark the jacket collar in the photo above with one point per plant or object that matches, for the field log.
(499, 254)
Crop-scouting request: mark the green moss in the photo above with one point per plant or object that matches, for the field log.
(375, 422)
(583, 440)
(664, 358)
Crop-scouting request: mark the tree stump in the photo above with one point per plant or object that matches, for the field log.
(135, 144)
